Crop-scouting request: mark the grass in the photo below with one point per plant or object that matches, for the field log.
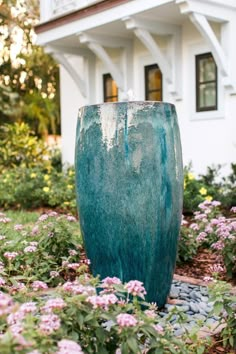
(22, 216)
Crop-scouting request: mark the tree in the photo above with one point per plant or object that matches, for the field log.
(28, 77)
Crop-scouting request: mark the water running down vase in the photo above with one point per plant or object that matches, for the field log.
(129, 181)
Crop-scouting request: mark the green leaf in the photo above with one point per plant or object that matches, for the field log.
(218, 307)
(133, 345)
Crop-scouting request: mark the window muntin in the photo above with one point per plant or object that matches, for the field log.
(206, 83)
(153, 83)
(110, 89)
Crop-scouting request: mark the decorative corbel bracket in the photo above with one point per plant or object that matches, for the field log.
(60, 57)
(199, 14)
(96, 43)
(208, 34)
(169, 66)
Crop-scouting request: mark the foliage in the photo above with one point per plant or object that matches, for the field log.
(209, 229)
(26, 71)
(187, 246)
(100, 317)
(19, 147)
(36, 187)
(79, 313)
(225, 307)
(209, 186)
(37, 250)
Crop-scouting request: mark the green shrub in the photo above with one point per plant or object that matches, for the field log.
(35, 187)
(19, 146)
(37, 250)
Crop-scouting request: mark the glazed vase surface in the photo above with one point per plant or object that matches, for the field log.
(129, 185)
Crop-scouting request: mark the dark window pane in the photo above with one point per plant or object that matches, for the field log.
(110, 90)
(207, 93)
(207, 69)
(154, 96)
(206, 82)
(153, 83)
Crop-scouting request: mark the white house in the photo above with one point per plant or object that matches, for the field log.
(181, 51)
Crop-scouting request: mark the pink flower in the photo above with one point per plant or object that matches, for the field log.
(73, 252)
(5, 220)
(28, 307)
(135, 288)
(49, 323)
(2, 281)
(201, 236)
(18, 286)
(35, 230)
(54, 274)
(67, 346)
(102, 301)
(43, 217)
(77, 288)
(34, 352)
(199, 216)
(6, 304)
(159, 328)
(107, 282)
(38, 284)
(216, 203)
(194, 227)
(15, 318)
(52, 213)
(73, 266)
(70, 218)
(10, 255)
(208, 229)
(216, 268)
(126, 320)
(18, 227)
(53, 304)
(30, 249)
(233, 209)
(218, 245)
(208, 279)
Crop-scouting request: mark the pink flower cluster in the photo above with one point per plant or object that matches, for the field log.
(67, 346)
(30, 249)
(135, 288)
(49, 323)
(11, 255)
(53, 304)
(76, 288)
(103, 301)
(6, 304)
(39, 285)
(126, 320)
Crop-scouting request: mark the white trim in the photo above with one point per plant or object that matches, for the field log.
(208, 34)
(170, 66)
(84, 24)
(61, 59)
(196, 49)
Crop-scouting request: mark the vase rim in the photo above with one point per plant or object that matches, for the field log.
(127, 102)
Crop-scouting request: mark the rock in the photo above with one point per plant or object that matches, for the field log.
(194, 307)
(178, 332)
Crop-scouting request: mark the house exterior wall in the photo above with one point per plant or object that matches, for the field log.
(71, 100)
(207, 137)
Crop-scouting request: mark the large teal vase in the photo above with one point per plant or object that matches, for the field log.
(129, 180)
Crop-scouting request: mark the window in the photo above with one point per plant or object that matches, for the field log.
(153, 83)
(206, 83)
(110, 90)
